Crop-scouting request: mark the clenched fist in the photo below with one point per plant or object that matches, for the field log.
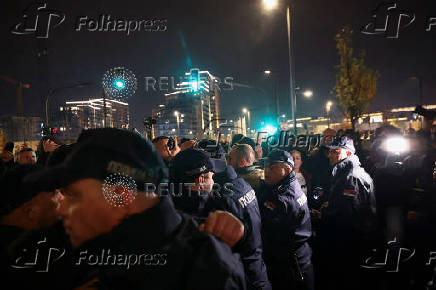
(225, 226)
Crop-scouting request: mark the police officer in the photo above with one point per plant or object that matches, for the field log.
(285, 225)
(348, 220)
(215, 186)
(123, 236)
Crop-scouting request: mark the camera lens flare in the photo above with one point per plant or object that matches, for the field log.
(119, 83)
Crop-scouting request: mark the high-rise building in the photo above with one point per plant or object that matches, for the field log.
(191, 111)
(74, 116)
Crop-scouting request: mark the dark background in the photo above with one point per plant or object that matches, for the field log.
(228, 38)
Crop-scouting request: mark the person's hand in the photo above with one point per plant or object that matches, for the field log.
(176, 148)
(187, 145)
(49, 145)
(225, 226)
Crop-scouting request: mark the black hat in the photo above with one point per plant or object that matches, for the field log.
(14, 192)
(279, 155)
(343, 142)
(59, 155)
(190, 163)
(101, 153)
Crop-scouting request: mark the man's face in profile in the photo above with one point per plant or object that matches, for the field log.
(85, 212)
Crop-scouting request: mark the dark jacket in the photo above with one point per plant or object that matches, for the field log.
(351, 211)
(239, 198)
(318, 166)
(234, 195)
(286, 223)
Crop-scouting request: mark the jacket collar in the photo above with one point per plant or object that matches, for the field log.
(245, 170)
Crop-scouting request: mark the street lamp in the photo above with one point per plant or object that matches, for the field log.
(308, 93)
(269, 5)
(177, 114)
(328, 106)
(267, 72)
(246, 111)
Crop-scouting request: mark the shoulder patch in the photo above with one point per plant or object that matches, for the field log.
(269, 205)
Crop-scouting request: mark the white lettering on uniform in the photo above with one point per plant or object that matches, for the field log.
(247, 198)
(302, 200)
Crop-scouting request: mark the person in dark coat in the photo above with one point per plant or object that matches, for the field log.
(348, 221)
(286, 226)
(215, 186)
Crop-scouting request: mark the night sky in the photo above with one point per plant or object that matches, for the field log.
(229, 38)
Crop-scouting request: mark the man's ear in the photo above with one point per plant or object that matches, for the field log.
(242, 162)
(200, 179)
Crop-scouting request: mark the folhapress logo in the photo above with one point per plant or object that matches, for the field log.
(37, 19)
(389, 20)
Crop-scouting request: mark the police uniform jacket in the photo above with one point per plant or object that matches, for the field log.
(351, 209)
(237, 197)
(286, 225)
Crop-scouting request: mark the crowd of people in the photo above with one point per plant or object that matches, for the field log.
(116, 211)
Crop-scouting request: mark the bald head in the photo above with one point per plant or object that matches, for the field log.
(242, 155)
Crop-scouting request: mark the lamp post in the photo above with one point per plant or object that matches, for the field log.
(177, 114)
(328, 106)
(267, 74)
(246, 111)
(419, 80)
(269, 5)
